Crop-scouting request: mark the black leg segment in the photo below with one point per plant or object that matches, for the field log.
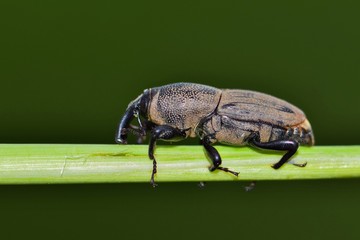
(214, 156)
(280, 145)
(165, 133)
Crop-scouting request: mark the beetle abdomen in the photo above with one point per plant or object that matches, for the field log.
(233, 132)
(301, 133)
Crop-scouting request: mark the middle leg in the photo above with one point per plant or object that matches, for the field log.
(214, 156)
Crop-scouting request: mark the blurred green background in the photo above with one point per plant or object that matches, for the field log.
(68, 69)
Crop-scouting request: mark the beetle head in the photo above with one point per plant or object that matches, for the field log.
(137, 108)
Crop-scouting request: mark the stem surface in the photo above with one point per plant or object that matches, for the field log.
(76, 163)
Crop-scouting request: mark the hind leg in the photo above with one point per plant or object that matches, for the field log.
(289, 146)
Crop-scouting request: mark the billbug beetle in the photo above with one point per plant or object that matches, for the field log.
(229, 116)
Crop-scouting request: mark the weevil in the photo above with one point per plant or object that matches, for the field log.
(228, 116)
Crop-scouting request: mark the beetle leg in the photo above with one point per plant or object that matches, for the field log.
(214, 156)
(162, 132)
(280, 145)
(140, 131)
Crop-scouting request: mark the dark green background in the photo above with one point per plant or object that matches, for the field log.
(68, 69)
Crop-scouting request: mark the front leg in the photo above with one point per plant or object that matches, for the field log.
(166, 133)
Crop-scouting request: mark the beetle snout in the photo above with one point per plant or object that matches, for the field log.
(120, 141)
(121, 136)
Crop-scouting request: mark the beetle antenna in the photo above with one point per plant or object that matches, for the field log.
(137, 115)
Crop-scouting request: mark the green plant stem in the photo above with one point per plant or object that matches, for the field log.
(73, 163)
